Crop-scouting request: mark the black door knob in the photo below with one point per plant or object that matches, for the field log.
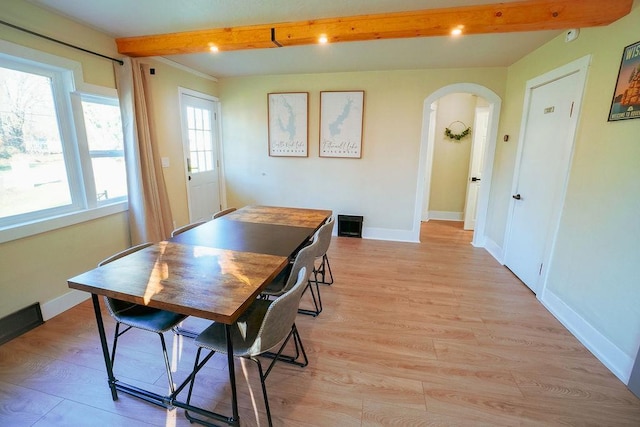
(517, 197)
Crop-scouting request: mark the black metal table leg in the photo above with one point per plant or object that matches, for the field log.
(105, 347)
(235, 420)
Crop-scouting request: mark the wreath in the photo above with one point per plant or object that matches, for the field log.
(457, 136)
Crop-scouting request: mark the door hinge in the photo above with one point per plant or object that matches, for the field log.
(540, 271)
(571, 112)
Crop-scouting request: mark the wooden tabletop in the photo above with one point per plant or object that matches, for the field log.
(210, 283)
(296, 217)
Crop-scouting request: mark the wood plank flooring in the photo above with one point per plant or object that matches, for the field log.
(436, 333)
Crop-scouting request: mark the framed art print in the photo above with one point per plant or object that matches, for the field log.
(626, 96)
(288, 124)
(341, 115)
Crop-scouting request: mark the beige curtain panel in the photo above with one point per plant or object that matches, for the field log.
(150, 218)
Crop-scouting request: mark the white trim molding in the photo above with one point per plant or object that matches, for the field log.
(62, 303)
(446, 216)
(617, 361)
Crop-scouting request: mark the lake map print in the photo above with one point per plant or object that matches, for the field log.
(288, 124)
(341, 124)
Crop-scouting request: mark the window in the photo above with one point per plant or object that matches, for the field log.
(33, 173)
(61, 151)
(103, 132)
(200, 139)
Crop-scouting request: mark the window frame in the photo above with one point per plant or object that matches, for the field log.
(68, 89)
(85, 155)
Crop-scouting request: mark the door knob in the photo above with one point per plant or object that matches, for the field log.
(474, 179)
(517, 197)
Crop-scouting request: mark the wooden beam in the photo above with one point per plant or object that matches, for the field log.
(530, 15)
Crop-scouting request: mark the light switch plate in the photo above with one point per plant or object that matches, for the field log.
(165, 162)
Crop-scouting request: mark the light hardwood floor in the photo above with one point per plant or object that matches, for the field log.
(436, 333)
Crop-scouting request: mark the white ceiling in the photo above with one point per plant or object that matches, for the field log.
(124, 18)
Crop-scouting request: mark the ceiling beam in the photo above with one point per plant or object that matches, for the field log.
(530, 15)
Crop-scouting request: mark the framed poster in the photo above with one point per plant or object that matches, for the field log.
(341, 116)
(288, 124)
(626, 96)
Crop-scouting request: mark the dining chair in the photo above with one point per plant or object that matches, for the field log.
(140, 317)
(324, 269)
(222, 213)
(287, 277)
(186, 227)
(320, 242)
(263, 327)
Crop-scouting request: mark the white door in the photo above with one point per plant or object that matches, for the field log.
(545, 156)
(200, 130)
(476, 163)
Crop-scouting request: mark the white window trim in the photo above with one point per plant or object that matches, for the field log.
(13, 232)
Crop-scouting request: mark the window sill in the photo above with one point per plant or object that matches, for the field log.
(30, 229)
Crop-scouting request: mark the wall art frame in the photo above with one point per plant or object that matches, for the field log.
(341, 123)
(625, 104)
(288, 124)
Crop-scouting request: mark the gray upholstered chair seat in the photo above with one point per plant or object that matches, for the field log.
(278, 284)
(243, 333)
(143, 317)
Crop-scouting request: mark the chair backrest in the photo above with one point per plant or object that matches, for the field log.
(304, 259)
(116, 306)
(184, 228)
(222, 213)
(324, 237)
(280, 316)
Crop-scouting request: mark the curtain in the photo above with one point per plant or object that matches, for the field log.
(150, 218)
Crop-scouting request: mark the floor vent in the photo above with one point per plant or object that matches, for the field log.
(20, 322)
(350, 225)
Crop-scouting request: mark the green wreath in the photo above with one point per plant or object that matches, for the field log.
(457, 136)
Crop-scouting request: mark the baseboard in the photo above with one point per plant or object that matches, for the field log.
(494, 249)
(619, 363)
(389, 234)
(62, 303)
(446, 216)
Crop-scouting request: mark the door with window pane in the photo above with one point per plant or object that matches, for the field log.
(199, 123)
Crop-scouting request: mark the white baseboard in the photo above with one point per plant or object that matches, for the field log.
(389, 234)
(62, 303)
(619, 363)
(446, 216)
(494, 249)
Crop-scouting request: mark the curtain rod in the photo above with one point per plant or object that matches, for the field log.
(61, 42)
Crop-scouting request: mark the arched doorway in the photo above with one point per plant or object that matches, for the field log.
(426, 155)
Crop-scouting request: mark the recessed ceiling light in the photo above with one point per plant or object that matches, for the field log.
(456, 31)
(323, 39)
(213, 48)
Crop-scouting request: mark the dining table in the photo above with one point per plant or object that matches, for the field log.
(213, 271)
